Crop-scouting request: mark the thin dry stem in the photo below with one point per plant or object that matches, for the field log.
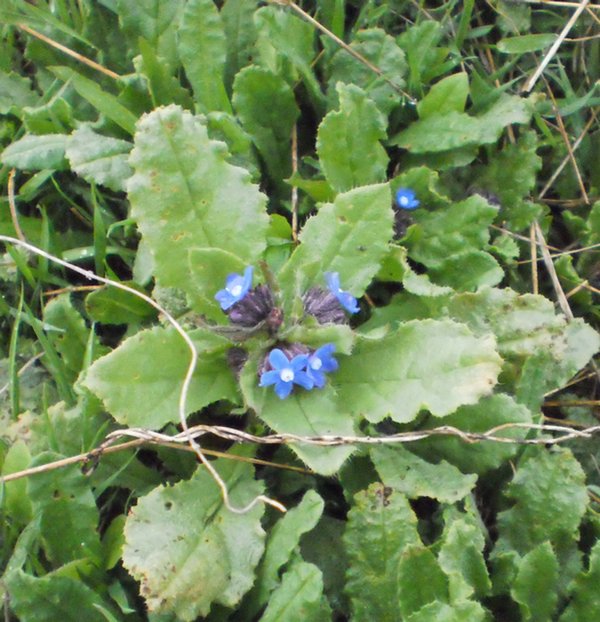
(562, 300)
(533, 254)
(82, 59)
(294, 198)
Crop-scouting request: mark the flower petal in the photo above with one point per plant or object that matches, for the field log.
(278, 359)
(304, 380)
(333, 281)
(268, 378)
(283, 389)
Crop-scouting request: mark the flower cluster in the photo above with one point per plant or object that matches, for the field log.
(289, 364)
(305, 370)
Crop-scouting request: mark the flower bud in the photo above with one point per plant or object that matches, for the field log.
(253, 308)
(324, 306)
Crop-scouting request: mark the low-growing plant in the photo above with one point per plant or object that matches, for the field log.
(344, 385)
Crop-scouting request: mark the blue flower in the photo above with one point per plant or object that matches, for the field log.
(405, 199)
(286, 373)
(236, 287)
(320, 362)
(347, 300)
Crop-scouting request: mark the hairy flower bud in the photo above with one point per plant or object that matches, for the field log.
(324, 306)
(254, 308)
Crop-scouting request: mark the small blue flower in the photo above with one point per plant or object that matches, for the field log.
(236, 287)
(405, 199)
(347, 300)
(320, 362)
(285, 373)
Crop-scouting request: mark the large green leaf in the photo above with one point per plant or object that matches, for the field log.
(306, 413)
(255, 92)
(348, 141)
(202, 48)
(238, 24)
(535, 585)
(448, 95)
(379, 48)
(53, 597)
(420, 580)
(184, 195)
(443, 233)
(37, 152)
(188, 550)
(283, 540)
(585, 603)
(339, 234)
(436, 365)
(15, 93)
(381, 525)
(482, 456)
(453, 130)
(66, 510)
(99, 159)
(283, 34)
(461, 558)
(154, 21)
(466, 611)
(413, 476)
(299, 597)
(138, 392)
(550, 498)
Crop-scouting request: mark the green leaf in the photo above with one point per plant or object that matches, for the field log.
(407, 473)
(281, 34)
(299, 597)
(238, 24)
(184, 195)
(437, 365)
(448, 95)
(188, 550)
(163, 86)
(37, 152)
(69, 334)
(110, 305)
(511, 174)
(202, 48)
(468, 271)
(467, 611)
(461, 558)
(226, 128)
(454, 130)
(380, 527)
(156, 22)
(284, 538)
(104, 102)
(306, 413)
(15, 93)
(67, 513)
(585, 598)
(447, 232)
(526, 43)
(550, 498)
(129, 376)
(381, 50)
(420, 580)
(51, 598)
(348, 141)
(208, 269)
(254, 91)
(15, 502)
(340, 232)
(535, 586)
(483, 456)
(99, 159)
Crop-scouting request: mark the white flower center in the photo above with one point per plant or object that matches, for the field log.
(403, 201)
(287, 374)
(316, 363)
(236, 290)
